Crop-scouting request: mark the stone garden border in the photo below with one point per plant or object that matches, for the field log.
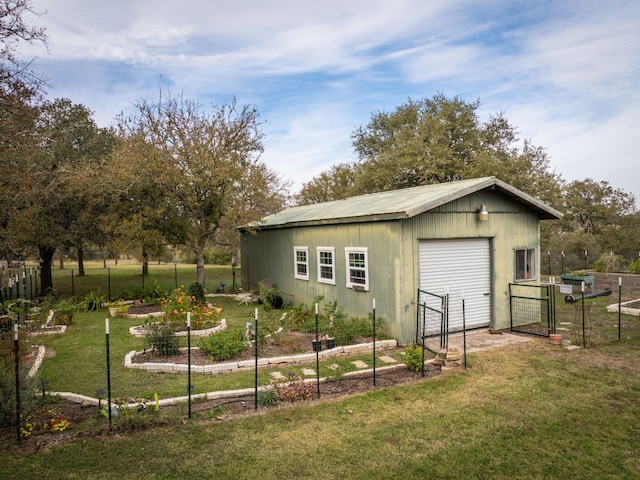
(230, 367)
(624, 308)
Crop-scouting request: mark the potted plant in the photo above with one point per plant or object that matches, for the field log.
(117, 309)
(63, 311)
(122, 308)
(92, 301)
(113, 308)
(270, 297)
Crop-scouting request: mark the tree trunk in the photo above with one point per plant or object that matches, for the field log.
(145, 264)
(46, 280)
(61, 258)
(104, 259)
(80, 261)
(199, 251)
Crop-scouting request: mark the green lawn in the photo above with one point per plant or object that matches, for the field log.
(527, 411)
(76, 361)
(127, 276)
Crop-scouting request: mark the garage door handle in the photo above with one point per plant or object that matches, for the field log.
(486, 294)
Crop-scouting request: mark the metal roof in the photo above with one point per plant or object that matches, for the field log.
(397, 204)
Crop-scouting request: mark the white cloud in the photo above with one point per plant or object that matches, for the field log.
(566, 72)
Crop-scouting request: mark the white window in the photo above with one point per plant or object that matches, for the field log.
(526, 264)
(326, 265)
(301, 263)
(357, 268)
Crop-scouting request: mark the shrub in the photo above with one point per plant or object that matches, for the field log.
(154, 291)
(223, 345)
(178, 303)
(196, 293)
(267, 398)
(610, 263)
(634, 267)
(28, 386)
(413, 357)
(44, 419)
(92, 301)
(217, 256)
(163, 340)
(294, 390)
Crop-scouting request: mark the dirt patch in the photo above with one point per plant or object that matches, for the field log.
(357, 383)
(634, 304)
(144, 308)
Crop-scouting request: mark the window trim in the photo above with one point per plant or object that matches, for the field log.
(349, 283)
(332, 265)
(530, 259)
(296, 262)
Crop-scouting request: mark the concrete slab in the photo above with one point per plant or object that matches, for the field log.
(387, 359)
(483, 340)
(360, 364)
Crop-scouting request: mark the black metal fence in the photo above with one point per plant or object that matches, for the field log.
(432, 320)
(532, 309)
(19, 283)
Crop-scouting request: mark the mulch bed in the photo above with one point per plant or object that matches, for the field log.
(144, 308)
(635, 304)
(294, 343)
(355, 384)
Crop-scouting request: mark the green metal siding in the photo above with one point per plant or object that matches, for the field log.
(393, 257)
(270, 255)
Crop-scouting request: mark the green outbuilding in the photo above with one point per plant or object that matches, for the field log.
(469, 239)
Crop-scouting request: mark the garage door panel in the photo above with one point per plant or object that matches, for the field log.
(462, 269)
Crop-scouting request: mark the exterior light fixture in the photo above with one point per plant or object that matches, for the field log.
(483, 214)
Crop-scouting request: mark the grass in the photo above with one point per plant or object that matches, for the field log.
(77, 361)
(127, 277)
(600, 326)
(527, 411)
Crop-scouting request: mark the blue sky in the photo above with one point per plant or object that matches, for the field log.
(566, 73)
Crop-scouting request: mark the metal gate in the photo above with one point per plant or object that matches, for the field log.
(432, 320)
(532, 309)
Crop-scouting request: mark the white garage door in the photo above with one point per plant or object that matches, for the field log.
(461, 267)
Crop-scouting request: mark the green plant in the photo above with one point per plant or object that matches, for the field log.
(336, 373)
(196, 294)
(28, 385)
(92, 301)
(64, 307)
(610, 263)
(15, 308)
(122, 308)
(179, 303)
(162, 339)
(413, 357)
(223, 345)
(154, 291)
(269, 296)
(267, 398)
(634, 267)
